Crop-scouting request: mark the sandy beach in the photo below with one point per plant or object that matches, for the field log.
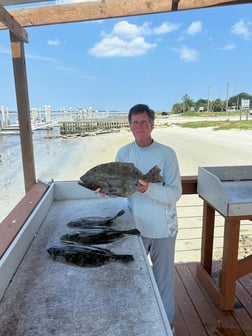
(63, 159)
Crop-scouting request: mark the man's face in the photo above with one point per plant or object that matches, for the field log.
(141, 127)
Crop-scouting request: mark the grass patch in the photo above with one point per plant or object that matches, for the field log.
(218, 125)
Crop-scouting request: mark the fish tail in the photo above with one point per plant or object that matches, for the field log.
(120, 213)
(124, 257)
(133, 232)
(153, 175)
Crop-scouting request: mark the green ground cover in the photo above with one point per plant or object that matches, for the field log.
(218, 125)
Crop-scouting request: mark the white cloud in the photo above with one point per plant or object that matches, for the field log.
(166, 27)
(188, 54)
(194, 28)
(112, 46)
(242, 28)
(54, 42)
(127, 39)
(127, 30)
(229, 46)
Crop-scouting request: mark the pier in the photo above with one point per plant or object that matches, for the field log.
(85, 126)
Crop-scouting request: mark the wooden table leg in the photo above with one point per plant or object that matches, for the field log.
(230, 262)
(207, 237)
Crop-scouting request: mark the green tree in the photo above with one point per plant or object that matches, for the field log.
(235, 101)
(201, 105)
(177, 108)
(188, 103)
(218, 105)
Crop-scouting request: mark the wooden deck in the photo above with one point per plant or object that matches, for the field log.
(196, 313)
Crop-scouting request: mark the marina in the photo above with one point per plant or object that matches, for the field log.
(70, 122)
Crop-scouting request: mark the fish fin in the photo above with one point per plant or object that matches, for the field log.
(69, 242)
(124, 257)
(134, 232)
(153, 175)
(120, 213)
(81, 183)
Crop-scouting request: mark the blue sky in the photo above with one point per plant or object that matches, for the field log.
(154, 59)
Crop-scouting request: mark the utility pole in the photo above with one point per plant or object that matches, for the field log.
(227, 96)
(208, 99)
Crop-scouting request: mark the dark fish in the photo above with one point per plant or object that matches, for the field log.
(86, 256)
(96, 236)
(117, 178)
(87, 222)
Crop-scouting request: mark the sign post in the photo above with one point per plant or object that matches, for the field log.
(245, 106)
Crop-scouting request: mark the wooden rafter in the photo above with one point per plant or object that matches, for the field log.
(10, 23)
(76, 12)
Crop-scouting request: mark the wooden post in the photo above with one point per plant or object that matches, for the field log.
(229, 263)
(207, 237)
(18, 60)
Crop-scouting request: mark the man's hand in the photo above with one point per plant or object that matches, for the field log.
(143, 186)
(98, 191)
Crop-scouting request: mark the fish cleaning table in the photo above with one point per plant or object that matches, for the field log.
(227, 190)
(46, 297)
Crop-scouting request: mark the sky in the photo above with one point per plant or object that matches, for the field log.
(153, 59)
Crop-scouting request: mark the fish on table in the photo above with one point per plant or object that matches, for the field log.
(97, 236)
(86, 256)
(118, 178)
(95, 221)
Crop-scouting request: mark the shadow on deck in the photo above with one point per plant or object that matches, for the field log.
(197, 314)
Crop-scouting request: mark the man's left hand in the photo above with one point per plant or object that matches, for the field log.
(143, 186)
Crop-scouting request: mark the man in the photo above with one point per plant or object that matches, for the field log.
(154, 205)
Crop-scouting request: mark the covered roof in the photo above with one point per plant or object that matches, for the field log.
(36, 12)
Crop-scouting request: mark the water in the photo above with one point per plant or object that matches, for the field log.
(52, 154)
(50, 150)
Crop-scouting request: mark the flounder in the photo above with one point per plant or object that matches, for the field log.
(86, 256)
(118, 178)
(96, 236)
(87, 222)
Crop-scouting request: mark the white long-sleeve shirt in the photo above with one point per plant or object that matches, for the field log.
(154, 210)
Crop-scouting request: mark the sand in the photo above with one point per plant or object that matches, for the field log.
(67, 159)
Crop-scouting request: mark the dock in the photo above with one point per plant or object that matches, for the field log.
(85, 126)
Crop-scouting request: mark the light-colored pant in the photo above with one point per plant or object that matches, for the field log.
(161, 252)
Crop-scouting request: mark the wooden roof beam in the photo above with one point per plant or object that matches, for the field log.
(10, 23)
(104, 9)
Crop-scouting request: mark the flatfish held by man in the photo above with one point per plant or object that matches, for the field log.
(117, 178)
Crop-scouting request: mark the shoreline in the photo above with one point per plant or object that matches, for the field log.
(68, 158)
